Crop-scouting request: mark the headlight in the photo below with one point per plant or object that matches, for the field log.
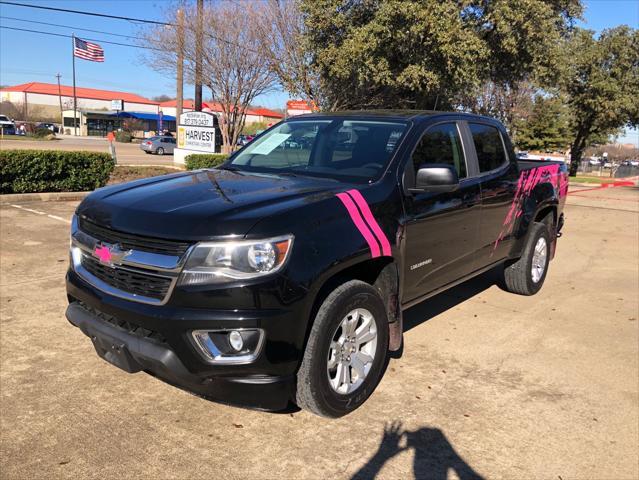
(220, 262)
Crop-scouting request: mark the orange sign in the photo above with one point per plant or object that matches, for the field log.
(299, 105)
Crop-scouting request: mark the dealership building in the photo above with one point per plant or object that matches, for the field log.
(100, 111)
(253, 115)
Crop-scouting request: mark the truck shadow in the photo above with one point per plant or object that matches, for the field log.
(433, 306)
(433, 457)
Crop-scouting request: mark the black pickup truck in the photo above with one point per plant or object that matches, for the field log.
(280, 277)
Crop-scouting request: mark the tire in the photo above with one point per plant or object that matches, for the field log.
(160, 151)
(314, 390)
(519, 276)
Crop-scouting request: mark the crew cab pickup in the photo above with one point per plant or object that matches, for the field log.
(279, 278)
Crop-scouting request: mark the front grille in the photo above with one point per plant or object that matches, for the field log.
(129, 241)
(133, 282)
(128, 327)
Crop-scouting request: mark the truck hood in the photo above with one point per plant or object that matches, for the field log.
(202, 204)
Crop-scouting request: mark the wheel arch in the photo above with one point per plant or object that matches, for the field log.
(383, 274)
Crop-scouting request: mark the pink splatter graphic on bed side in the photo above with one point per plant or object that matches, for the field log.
(527, 181)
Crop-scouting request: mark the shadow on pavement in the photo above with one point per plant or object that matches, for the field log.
(434, 456)
(433, 306)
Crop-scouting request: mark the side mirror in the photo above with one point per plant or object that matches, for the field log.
(436, 177)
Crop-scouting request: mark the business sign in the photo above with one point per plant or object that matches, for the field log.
(299, 107)
(197, 119)
(201, 139)
(117, 105)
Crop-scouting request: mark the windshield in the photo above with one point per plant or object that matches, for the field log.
(343, 149)
(4, 118)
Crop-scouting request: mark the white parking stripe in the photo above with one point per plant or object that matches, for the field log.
(55, 217)
(28, 210)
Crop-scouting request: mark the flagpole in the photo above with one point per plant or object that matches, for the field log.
(75, 101)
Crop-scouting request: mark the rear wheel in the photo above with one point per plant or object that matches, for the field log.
(160, 151)
(346, 351)
(527, 275)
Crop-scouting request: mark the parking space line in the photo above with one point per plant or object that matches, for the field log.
(37, 212)
(28, 209)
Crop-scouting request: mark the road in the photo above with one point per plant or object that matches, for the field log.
(490, 384)
(127, 153)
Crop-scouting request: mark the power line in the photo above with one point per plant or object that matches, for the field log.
(70, 36)
(129, 19)
(79, 12)
(68, 26)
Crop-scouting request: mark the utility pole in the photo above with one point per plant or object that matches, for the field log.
(180, 66)
(60, 99)
(75, 98)
(198, 56)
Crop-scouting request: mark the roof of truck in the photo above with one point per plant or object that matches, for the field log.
(390, 114)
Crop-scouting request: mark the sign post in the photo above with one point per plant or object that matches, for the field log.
(118, 106)
(196, 133)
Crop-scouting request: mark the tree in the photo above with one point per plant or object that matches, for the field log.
(281, 29)
(546, 128)
(509, 103)
(162, 98)
(233, 65)
(600, 81)
(429, 53)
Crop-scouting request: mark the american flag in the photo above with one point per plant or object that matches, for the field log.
(88, 50)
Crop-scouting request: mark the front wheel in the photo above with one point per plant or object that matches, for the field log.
(527, 275)
(160, 151)
(346, 351)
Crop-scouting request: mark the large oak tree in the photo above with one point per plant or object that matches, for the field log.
(600, 81)
(429, 53)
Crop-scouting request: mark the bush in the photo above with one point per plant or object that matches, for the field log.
(204, 160)
(30, 171)
(41, 132)
(123, 137)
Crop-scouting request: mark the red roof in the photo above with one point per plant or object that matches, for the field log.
(173, 103)
(216, 107)
(264, 112)
(81, 92)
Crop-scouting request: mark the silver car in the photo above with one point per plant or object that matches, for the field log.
(160, 145)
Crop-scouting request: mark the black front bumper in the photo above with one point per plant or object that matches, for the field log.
(164, 351)
(134, 354)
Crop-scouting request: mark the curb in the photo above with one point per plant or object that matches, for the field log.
(617, 183)
(41, 197)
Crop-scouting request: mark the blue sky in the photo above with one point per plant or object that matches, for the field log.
(26, 57)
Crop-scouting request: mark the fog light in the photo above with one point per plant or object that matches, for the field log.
(236, 340)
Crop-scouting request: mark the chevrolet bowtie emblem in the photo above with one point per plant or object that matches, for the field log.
(110, 254)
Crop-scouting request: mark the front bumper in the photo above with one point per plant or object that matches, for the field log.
(165, 350)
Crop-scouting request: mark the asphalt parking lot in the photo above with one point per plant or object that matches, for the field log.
(126, 153)
(490, 384)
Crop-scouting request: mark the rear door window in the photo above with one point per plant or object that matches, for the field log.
(441, 144)
(488, 145)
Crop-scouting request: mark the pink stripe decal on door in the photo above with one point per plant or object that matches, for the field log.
(360, 224)
(370, 220)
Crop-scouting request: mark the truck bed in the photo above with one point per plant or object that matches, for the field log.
(529, 164)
